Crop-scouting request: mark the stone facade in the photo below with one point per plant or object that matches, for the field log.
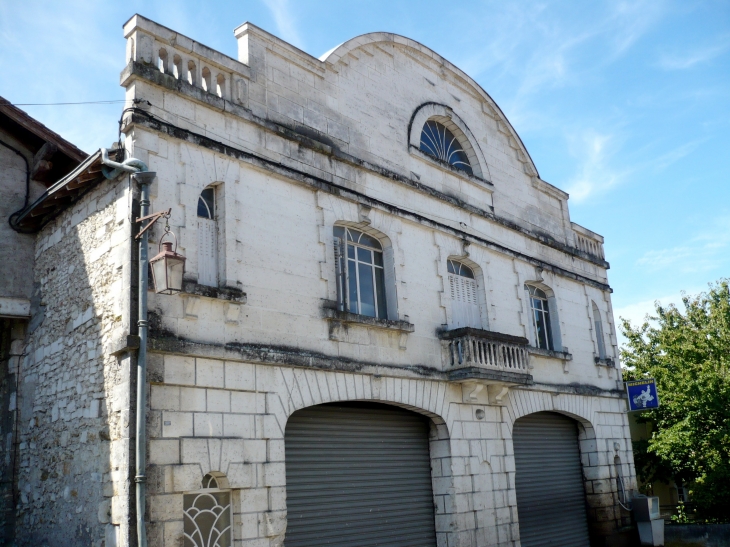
(293, 147)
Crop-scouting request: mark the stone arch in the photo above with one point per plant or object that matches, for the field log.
(332, 58)
(308, 388)
(445, 115)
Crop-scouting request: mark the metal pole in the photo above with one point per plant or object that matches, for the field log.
(144, 179)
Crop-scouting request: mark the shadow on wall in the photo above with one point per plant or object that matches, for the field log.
(74, 428)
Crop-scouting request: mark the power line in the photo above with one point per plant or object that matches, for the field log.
(61, 104)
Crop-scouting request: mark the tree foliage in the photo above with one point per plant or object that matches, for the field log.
(688, 354)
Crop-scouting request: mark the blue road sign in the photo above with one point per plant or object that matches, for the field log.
(642, 394)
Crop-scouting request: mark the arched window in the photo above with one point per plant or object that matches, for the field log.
(220, 85)
(207, 514)
(598, 324)
(360, 273)
(438, 141)
(207, 238)
(464, 300)
(163, 60)
(540, 317)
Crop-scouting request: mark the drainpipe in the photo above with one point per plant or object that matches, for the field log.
(144, 178)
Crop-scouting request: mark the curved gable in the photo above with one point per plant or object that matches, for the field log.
(335, 56)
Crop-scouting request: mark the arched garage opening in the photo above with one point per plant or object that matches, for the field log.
(551, 502)
(358, 475)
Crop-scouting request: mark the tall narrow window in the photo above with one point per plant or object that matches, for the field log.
(361, 280)
(207, 514)
(540, 318)
(464, 301)
(207, 238)
(599, 331)
(439, 142)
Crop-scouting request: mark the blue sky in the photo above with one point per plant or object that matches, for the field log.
(625, 105)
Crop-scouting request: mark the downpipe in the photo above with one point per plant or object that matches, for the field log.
(143, 177)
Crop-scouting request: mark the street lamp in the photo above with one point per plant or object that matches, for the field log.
(168, 267)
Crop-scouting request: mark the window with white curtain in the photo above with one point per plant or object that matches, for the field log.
(207, 238)
(464, 299)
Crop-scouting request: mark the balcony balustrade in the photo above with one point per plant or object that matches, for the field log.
(475, 354)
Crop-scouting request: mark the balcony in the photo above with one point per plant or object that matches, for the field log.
(490, 357)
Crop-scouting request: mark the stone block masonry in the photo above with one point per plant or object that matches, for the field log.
(74, 406)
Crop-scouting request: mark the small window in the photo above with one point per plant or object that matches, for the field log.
(439, 142)
(361, 279)
(207, 239)
(220, 85)
(463, 292)
(207, 515)
(540, 317)
(599, 332)
(206, 203)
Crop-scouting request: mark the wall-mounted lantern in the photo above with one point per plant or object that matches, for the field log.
(168, 268)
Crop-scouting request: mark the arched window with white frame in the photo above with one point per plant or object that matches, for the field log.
(207, 515)
(361, 273)
(464, 297)
(543, 319)
(207, 238)
(598, 325)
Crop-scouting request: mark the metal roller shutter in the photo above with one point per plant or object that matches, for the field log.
(549, 482)
(358, 475)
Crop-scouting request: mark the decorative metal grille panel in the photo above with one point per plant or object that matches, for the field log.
(439, 142)
(207, 519)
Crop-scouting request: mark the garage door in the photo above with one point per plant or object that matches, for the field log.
(357, 475)
(549, 481)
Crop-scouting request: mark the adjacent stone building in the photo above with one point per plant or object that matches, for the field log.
(31, 157)
(390, 330)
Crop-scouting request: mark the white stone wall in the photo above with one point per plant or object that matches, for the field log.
(294, 146)
(210, 415)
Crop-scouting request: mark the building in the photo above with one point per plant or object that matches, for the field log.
(31, 158)
(389, 327)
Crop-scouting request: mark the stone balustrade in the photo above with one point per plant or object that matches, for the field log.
(587, 241)
(481, 351)
(186, 60)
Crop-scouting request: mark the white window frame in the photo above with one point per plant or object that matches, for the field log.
(463, 313)
(544, 311)
(343, 261)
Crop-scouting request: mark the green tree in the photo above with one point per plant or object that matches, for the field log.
(688, 354)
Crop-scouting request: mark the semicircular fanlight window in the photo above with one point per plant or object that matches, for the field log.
(439, 142)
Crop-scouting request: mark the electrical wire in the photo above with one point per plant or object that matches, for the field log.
(64, 104)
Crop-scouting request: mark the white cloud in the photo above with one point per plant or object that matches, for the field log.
(638, 312)
(594, 174)
(688, 59)
(705, 251)
(286, 24)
